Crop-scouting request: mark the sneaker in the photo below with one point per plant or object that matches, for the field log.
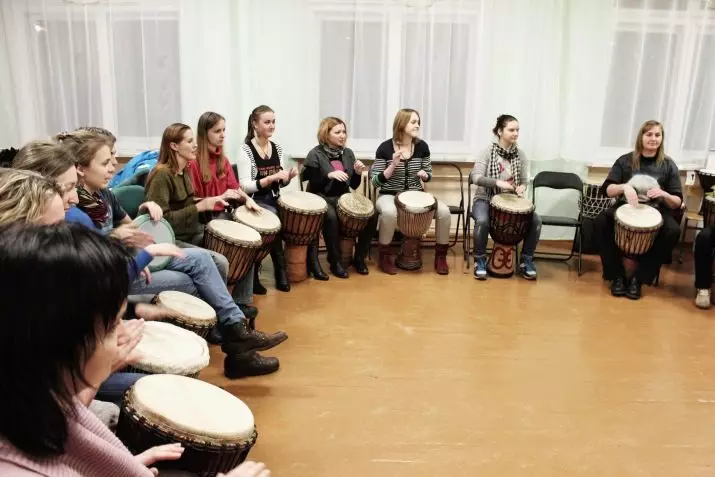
(527, 269)
(702, 299)
(480, 267)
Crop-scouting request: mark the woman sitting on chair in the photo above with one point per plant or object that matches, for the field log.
(501, 167)
(262, 174)
(647, 159)
(403, 163)
(45, 423)
(331, 170)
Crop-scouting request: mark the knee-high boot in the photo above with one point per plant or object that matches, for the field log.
(279, 266)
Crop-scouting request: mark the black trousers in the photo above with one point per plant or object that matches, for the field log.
(649, 263)
(704, 247)
(331, 232)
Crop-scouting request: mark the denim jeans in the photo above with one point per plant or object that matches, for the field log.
(113, 388)
(480, 214)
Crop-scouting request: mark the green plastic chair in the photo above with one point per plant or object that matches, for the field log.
(130, 197)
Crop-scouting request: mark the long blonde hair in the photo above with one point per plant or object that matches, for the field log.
(24, 195)
(402, 119)
(638, 150)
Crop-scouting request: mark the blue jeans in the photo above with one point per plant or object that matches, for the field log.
(113, 389)
(480, 214)
(210, 285)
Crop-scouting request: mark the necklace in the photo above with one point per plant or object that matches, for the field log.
(266, 154)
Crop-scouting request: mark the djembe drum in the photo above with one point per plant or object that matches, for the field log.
(510, 217)
(591, 204)
(301, 214)
(215, 428)
(354, 212)
(415, 211)
(266, 223)
(190, 312)
(237, 242)
(168, 349)
(706, 177)
(636, 228)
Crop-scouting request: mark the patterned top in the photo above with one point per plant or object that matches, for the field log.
(252, 168)
(405, 175)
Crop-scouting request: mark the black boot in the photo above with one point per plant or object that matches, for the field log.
(248, 364)
(251, 312)
(279, 266)
(361, 248)
(618, 287)
(634, 289)
(240, 338)
(338, 270)
(313, 262)
(258, 288)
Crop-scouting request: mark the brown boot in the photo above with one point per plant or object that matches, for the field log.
(386, 262)
(440, 259)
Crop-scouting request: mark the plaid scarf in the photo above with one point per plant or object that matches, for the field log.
(334, 153)
(511, 155)
(93, 205)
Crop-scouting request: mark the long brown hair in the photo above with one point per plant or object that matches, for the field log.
(402, 119)
(44, 157)
(638, 150)
(208, 120)
(83, 145)
(167, 158)
(255, 116)
(327, 125)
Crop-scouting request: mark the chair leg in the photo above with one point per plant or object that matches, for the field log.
(580, 254)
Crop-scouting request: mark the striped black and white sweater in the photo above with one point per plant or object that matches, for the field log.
(405, 175)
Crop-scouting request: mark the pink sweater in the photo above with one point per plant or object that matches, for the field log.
(91, 450)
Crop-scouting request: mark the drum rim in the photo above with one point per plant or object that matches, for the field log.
(203, 437)
(401, 205)
(352, 214)
(156, 368)
(281, 203)
(162, 262)
(517, 212)
(706, 172)
(254, 243)
(634, 227)
(184, 317)
(261, 230)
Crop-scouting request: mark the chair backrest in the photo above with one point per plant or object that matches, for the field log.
(130, 197)
(558, 180)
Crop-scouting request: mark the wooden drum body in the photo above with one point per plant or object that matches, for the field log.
(510, 217)
(636, 228)
(216, 429)
(415, 211)
(266, 223)
(237, 242)
(354, 212)
(168, 349)
(193, 313)
(301, 214)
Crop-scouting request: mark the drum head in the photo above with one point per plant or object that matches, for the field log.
(162, 233)
(187, 305)
(303, 201)
(640, 216)
(234, 232)
(416, 201)
(512, 203)
(193, 407)
(265, 221)
(166, 348)
(356, 205)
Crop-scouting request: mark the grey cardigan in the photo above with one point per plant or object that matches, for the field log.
(486, 184)
(318, 166)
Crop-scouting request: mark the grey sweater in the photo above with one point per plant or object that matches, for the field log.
(486, 185)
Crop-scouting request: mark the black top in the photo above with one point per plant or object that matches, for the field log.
(317, 167)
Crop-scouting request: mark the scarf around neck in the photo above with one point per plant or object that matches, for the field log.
(93, 205)
(333, 152)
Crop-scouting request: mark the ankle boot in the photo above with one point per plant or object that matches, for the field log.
(240, 338)
(313, 263)
(338, 270)
(386, 262)
(359, 258)
(279, 266)
(440, 259)
(248, 364)
(258, 288)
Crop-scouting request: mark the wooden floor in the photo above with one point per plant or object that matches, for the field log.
(425, 375)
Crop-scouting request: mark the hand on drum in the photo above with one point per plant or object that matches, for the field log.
(422, 175)
(164, 250)
(230, 194)
(520, 190)
(129, 334)
(656, 192)
(131, 236)
(153, 210)
(505, 186)
(209, 203)
(630, 194)
(159, 454)
(359, 167)
(253, 207)
(249, 469)
(338, 176)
